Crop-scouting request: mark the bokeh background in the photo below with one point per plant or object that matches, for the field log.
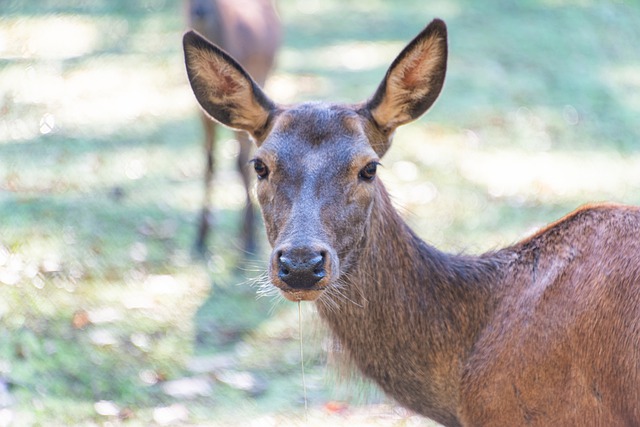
(106, 318)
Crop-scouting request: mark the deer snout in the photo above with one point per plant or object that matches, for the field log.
(302, 268)
(302, 272)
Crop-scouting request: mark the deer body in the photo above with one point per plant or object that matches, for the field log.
(515, 337)
(545, 332)
(250, 31)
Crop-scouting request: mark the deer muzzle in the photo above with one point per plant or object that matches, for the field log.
(302, 272)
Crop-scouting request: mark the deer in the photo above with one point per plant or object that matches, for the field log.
(251, 31)
(545, 332)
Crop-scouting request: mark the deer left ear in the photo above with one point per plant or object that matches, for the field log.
(224, 89)
(414, 80)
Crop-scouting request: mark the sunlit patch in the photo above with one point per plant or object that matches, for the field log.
(138, 252)
(135, 168)
(47, 123)
(361, 56)
(98, 98)
(104, 315)
(148, 377)
(549, 175)
(103, 338)
(311, 7)
(405, 170)
(121, 96)
(188, 388)
(287, 88)
(106, 408)
(422, 194)
(171, 415)
(351, 56)
(55, 37)
(233, 197)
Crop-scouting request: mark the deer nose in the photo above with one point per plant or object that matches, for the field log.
(301, 269)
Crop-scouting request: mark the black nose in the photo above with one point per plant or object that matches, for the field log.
(301, 269)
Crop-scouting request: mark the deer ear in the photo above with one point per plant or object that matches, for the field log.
(414, 80)
(223, 88)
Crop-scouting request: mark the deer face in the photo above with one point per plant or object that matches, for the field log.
(316, 185)
(316, 163)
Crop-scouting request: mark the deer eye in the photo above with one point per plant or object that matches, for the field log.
(261, 169)
(368, 172)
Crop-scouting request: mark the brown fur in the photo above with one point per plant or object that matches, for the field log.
(543, 333)
(250, 31)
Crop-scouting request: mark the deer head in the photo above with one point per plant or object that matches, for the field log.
(316, 162)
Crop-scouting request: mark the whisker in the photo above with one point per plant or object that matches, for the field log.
(328, 302)
(339, 290)
(265, 289)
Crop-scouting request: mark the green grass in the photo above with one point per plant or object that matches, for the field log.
(100, 185)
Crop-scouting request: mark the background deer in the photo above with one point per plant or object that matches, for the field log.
(250, 31)
(544, 332)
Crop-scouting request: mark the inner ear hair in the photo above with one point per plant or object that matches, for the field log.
(223, 88)
(414, 79)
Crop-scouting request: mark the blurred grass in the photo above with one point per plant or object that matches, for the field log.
(101, 304)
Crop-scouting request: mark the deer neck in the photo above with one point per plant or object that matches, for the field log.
(409, 314)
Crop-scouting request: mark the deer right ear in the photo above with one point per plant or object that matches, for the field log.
(413, 81)
(223, 88)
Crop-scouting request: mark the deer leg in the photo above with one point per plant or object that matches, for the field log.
(248, 224)
(205, 214)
